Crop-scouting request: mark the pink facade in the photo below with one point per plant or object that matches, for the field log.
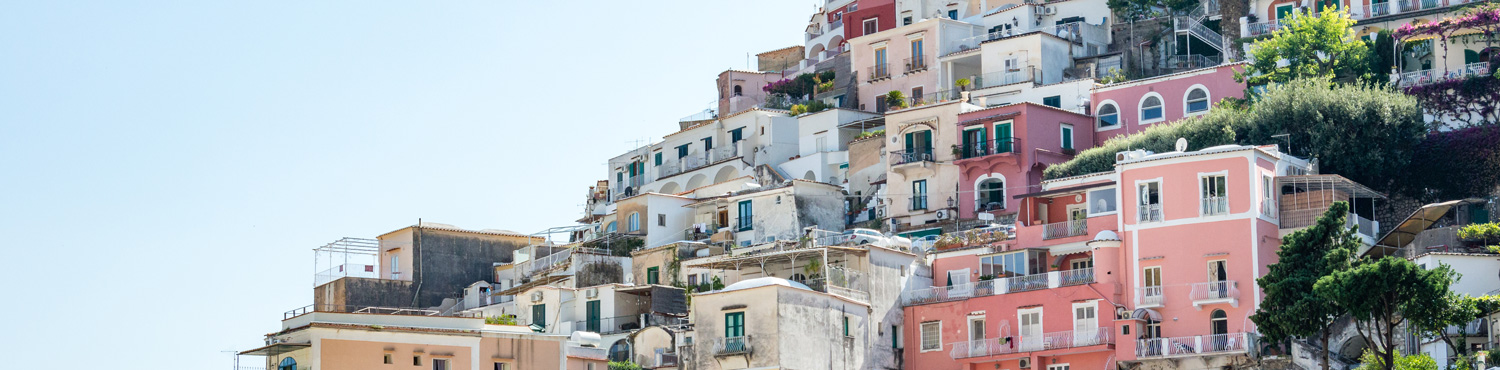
(995, 168)
(1164, 99)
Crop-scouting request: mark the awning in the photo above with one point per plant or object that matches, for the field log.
(1069, 189)
(1419, 220)
(1068, 248)
(275, 349)
(1141, 314)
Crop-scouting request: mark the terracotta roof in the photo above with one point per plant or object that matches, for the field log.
(456, 229)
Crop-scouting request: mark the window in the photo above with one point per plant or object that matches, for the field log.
(1151, 293)
(693, 280)
(1218, 324)
(1149, 209)
(416, 360)
(953, 14)
(916, 54)
(932, 339)
(590, 366)
(653, 275)
(870, 25)
(916, 95)
(919, 194)
(611, 228)
(682, 151)
(1067, 136)
(439, 364)
(976, 328)
(736, 135)
(1081, 263)
(1151, 109)
(1059, 367)
(895, 336)
(1053, 101)
(395, 264)
(1213, 195)
(1267, 196)
(661, 219)
(538, 315)
(591, 315)
(1109, 116)
(919, 146)
(746, 216)
(635, 222)
(1018, 263)
(880, 66)
(1031, 329)
(846, 325)
(734, 324)
(708, 143)
(906, 21)
(991, 194)
(739, 91)
(853, 6)
(288, 363)
(387, 359)
(500, 366)
(1285, 11)
(1085, 320)
(1196, 101)
(1101, 201)
(658, 159)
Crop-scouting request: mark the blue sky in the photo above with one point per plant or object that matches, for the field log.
(167, 166)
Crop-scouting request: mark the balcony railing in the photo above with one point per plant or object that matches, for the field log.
(917, 155)
(697, 161)
(1191, 61)
(917, 63)
(1065, 229)
(592, 353)
(1007, 77)
(1150, 296)
(1214, 291)
(621, 324)
(1262, 28)
(732, 345)
(1214, 206)
(1079, 33)
(917, 202)
(1022, 343)
(1149, 212)
(847, 283)
(931, 98)
(1429, 76)
(1380, 9)
(990, 147)
(664, 358)
(878, 71)
(1197, 345)
(1007, 285)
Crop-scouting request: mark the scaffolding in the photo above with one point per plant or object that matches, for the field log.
(346, 257)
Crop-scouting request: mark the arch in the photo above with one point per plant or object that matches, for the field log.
(1113, 113)
(1196, 104)
(726, 173)
(810, 176)
(695, 182)
(1157, 106)
(613, 226)
(620, 351)
(287, 363)
(670, 188)
(1218, 326)
(738, 91)
(985, 192)
(816, 52)
(837, 43)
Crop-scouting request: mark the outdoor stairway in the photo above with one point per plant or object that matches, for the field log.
(1192, 24)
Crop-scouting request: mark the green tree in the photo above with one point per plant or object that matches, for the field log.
(1371, 361)
(1307, 46)
(1291, 307)
(623, 365)
(1379, 61)
(1384, 294)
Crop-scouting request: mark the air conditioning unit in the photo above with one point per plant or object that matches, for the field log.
(536, 296)
(1025, 362)
(1049, 10)
(591, 293)
(943, 214)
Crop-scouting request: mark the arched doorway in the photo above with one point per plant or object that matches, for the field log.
(990, 194)
(810, 176)
(620, 351)
(287, 364)
(1219, 326)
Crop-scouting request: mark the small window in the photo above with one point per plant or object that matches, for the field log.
(682, 151)
(895, 336)
(932, 339)
(590, 366)
(1197, 101)
(871, 25)
(416, 360)
(387, 359)
(1109, 116)
(906, 21)
(846, 325)
(635, 222)
(439, 364)
(953, 14)
(1053, 101)
(287, 363)
(736, 135)
(653, 275)
(1151, 109)
(1149, 204)
(708, 143)
(658, 158)
(661, 220)
(738, 91)
(499, 366)
(1214, 198)
(1067, 136)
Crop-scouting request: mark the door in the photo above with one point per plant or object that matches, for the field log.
(1031, 330)
(539, 315)
(1219, 324)
(1076, 214)
(1284, 12)
(723, 219)
(1151, 292)
(1217, 277)
(1003, 141)
(1085, 325)
(734, 331)
(976, 337)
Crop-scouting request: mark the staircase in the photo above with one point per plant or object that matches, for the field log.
(1192, 24)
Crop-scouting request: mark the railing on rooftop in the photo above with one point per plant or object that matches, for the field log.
(989, 147)
(917, 63)
(844, 282)
(1191, 61)
(1024, 343)
(1065, 229)
(931, 98)
(621, 324)
(1188, 346)
(917, 155)
(697, 160)
(1005, 285)
(1428, 76)
(366, 310)
(356, 270)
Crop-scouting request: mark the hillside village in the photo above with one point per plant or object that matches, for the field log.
(994, 184)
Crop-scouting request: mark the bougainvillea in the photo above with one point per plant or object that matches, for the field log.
(1455, 164)
(1472, 101)
(1484, 19)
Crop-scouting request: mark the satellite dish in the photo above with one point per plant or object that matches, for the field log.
(1181, 144)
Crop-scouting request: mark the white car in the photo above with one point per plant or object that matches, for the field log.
(868, 236)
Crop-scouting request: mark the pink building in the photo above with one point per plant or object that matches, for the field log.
(1129, 107)
(1004, 149)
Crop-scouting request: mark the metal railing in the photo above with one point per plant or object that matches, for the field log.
(1031, 343)
(1025, 283)
(1197, 345)
(1079, 33)
(1429, 76)
(1214, 290)
(1268, 207)
(732, 345)
(1150, 296)
(1380, 9)
(901, 157)
(696, 161)
(1007, 77)
(1005, 285)
(1065, 229)
(1149, 212)
(355, 270)
(1263, 28)
(844, 282)
(917, 202)
(664, 359)
(1191, 61)
(989, 147)
(931, 98)
(917, 63)
(409, 311)
(1192, 27)
(621, 324)
(1214, 205)
(878, 71)
(1076, 277)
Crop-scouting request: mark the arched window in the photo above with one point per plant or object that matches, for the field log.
(287, 364)
(1196, 101)
(1151, 109)
(1109, 115)
(738, 91)
(613, 226)
(1219, 327)
(991, 195)
(620, 351)
(635, 221)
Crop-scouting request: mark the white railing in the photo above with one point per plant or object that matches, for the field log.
(1262, 28)
(546, 262)
(1001, 78)
(1380, 9)
(592, 353)
(1214, 205)
(1150, 296)
(1428, 76)
(1024, 343)
(345, 270)
(1065, 229)
(1197, 29)
(1076, 277)
(1025, 283)
(1079, 33)
(1014, 284)
(1149, 213)
(1197, 345)
(1214, 290)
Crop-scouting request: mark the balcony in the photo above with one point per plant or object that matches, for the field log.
(1263, 28)
(732, 346)
(988, 148)
(1380, 9)
(917, 203)
(930, 98)
(1191, 61)
(1007, 285)
(1070, 228)
(1424, 77)
(663, 358)
(1213, 206)
(878, 71)
(1149, 297)
(696, 161)
(918, 155)
(1007, 77)
(592, 353)
(917, 63)
(1044, 342)
(1213, 292)
(1191, 346)
(1149, 212)
(843, 282)
(622, 324)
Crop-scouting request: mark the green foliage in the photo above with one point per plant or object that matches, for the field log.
(961, 83)
(500, 320)
(1378, 61)
(810, 107)
(1372, 361)
(1201, 132)
(1455, 164)
(1291, 307)
(623, 365)
(866, 134)
(1114, 76)
(1384, 294)
(1480, 232)
(623, 247)
(895, 99)
(1320, 46)
(717, 284)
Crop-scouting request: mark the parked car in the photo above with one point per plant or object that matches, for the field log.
(868, 236)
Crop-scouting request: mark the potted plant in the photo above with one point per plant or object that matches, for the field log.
(895, 99)
(962, 84)
(957, 151)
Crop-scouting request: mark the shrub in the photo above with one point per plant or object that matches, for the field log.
(500, 320)
(1455, 164)
(961, 83)
(623, 365)
(1201, 132)
(895, 99)
(866, 134)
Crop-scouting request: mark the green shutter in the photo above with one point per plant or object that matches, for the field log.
(1067, 138)
(658, 158)
(734, 324)
(653, 275)
(593, 316)
(1471, 57)
(846, 326)
(1002, 138)
(539, 315)
(910, 143)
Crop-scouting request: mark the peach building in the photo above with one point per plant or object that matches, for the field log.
(904, 59)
